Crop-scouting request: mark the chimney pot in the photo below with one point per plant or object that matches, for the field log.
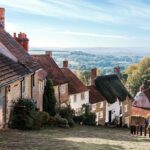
(22, 40)
(65, 63)
(94, 74)
(48, 53)
(14, 35)
(2, 17)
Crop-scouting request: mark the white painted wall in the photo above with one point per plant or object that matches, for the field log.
(115, 108)
(79, 102)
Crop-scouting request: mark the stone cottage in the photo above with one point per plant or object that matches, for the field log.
(20, 75)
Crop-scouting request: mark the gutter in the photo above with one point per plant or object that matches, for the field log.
(9, 82)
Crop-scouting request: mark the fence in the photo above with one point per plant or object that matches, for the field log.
(140, 130)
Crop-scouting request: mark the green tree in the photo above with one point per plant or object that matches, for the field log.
(85, 77)
(49, 99)
(138, 75)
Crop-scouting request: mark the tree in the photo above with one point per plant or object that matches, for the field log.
(138, 75)
(49, 99)
(85, 77)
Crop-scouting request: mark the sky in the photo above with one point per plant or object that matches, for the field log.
(80, 23)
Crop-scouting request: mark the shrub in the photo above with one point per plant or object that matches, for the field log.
(52, 121)
(89, 119)
(61, 122)
(44, 117)
(23, 102)
(49, 99)
(67, 113)
(20, 119)
(71, 122)
(78, 119)
(37, 120)
(24, 116)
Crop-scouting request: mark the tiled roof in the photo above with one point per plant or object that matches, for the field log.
(10, 70)
(17, 50)
(75, 85)
(48, 63)
(94, 95)
(142, 112)
(147, 93)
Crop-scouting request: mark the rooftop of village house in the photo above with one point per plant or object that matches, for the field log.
(10, 70)
(94, 95)
(47, 62)
(111, 88)
(17, 50)
(75, 84)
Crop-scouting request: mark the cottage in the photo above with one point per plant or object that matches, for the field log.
(141, 106)
(20, 76)
(55, 73)
(78, 92)
(98, 104)
(118, 104)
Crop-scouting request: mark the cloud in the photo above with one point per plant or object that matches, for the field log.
(77, 9)
(88, 34)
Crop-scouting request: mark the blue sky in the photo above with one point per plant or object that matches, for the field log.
(80, 23)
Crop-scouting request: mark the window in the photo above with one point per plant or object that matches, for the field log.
(101, 105)
(125, 108)
(63, 89)
(75, 98)
(41, 86)
(101, 114)
(94, 107)
(82, 96)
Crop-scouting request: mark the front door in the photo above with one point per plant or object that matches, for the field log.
(109, 116)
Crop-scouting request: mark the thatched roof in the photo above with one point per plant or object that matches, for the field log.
(111, 88)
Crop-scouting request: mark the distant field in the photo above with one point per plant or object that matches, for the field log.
(78, 138)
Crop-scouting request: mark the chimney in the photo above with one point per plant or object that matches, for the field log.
(65, 64)
(117, 71)
(22, 40)
(50, 53)
(94, 74)
(2, 17)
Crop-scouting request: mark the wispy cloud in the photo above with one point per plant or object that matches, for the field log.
(78, 9)
(89, 34)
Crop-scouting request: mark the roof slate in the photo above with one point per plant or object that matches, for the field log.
(10, 70)
(94, 95)
(17, 50)
(75, 84)
(48, 63)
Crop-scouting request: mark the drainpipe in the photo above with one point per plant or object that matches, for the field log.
(5, 108)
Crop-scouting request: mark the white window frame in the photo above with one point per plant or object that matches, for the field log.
(75, 98)
(82, 96)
